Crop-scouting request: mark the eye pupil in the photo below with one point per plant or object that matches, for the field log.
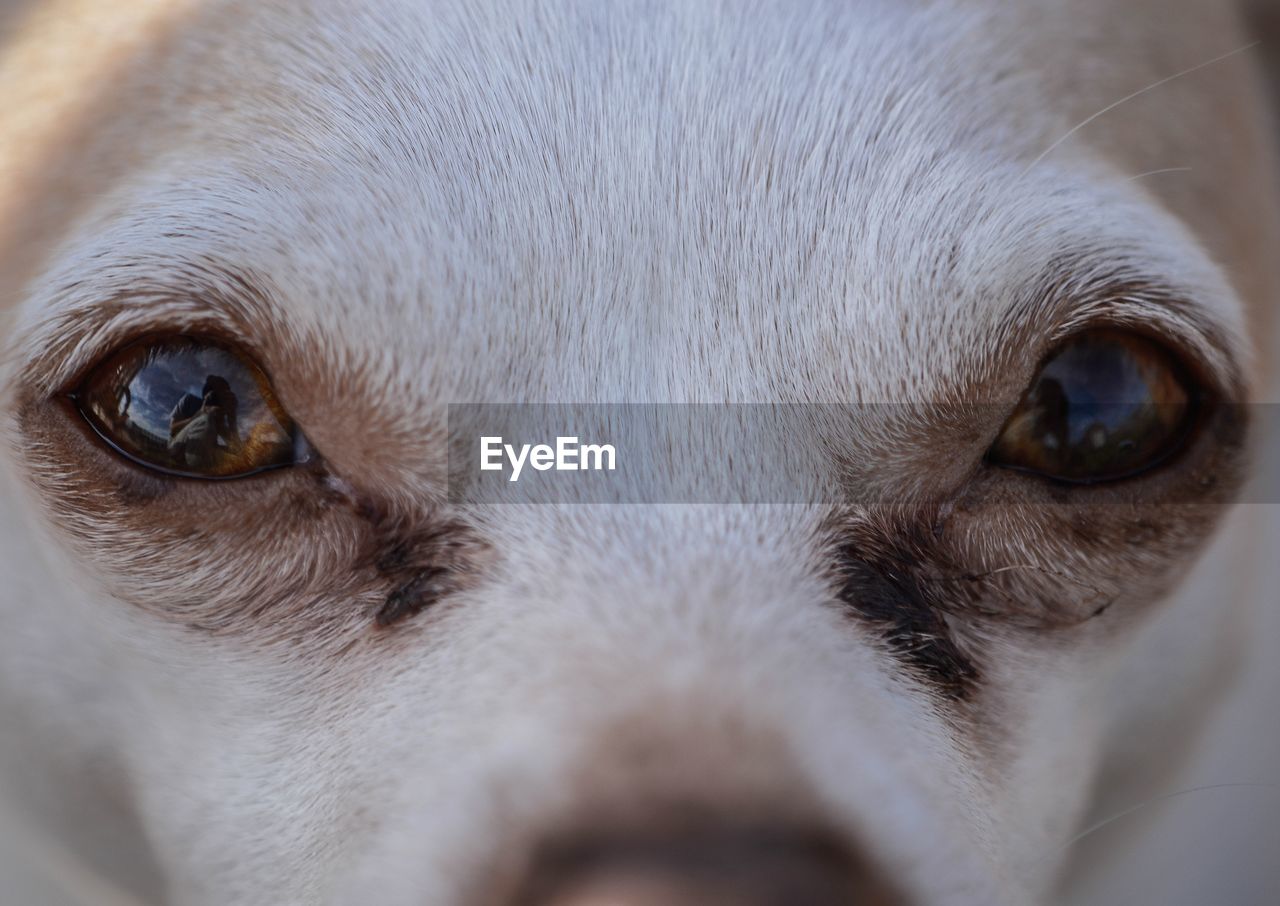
(1107, 405)
(187, 407)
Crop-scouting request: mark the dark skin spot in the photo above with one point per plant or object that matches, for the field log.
(890, 599)
(423, 562)
(416, 595)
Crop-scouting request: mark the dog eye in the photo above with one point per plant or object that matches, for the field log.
(1107, 405)
(188, 407)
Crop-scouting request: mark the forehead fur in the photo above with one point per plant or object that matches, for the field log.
(420, 186)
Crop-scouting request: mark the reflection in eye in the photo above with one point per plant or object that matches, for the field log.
(188, 407)
(1107, 405)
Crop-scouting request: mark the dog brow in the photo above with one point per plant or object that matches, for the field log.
(1076, 290)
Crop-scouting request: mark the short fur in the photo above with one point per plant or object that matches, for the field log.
(330, 685)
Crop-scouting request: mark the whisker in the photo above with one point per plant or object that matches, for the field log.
(1158, 172)
(1178, 794)
(1124, 100)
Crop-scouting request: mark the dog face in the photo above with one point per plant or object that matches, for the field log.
(327, 682)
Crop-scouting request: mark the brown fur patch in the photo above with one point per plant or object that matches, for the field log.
(1018, 553)
(278, 556)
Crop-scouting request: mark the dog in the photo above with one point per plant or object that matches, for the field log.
(324, 679)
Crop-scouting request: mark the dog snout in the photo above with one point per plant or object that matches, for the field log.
(729, 868)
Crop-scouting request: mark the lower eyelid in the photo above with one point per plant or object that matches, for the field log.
(67, 460)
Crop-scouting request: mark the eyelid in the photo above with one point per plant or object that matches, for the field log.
(1209, 350)
(96, 300)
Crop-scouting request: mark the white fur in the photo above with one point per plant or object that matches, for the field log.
(577, 201)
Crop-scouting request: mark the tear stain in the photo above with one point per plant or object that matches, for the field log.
(422, 559)
(914, 628)
(419, 593)
(880, 577)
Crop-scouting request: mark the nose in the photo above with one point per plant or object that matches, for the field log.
(728, 868)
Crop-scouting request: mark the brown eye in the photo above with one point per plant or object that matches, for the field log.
(188, 407)
(1107, 405)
